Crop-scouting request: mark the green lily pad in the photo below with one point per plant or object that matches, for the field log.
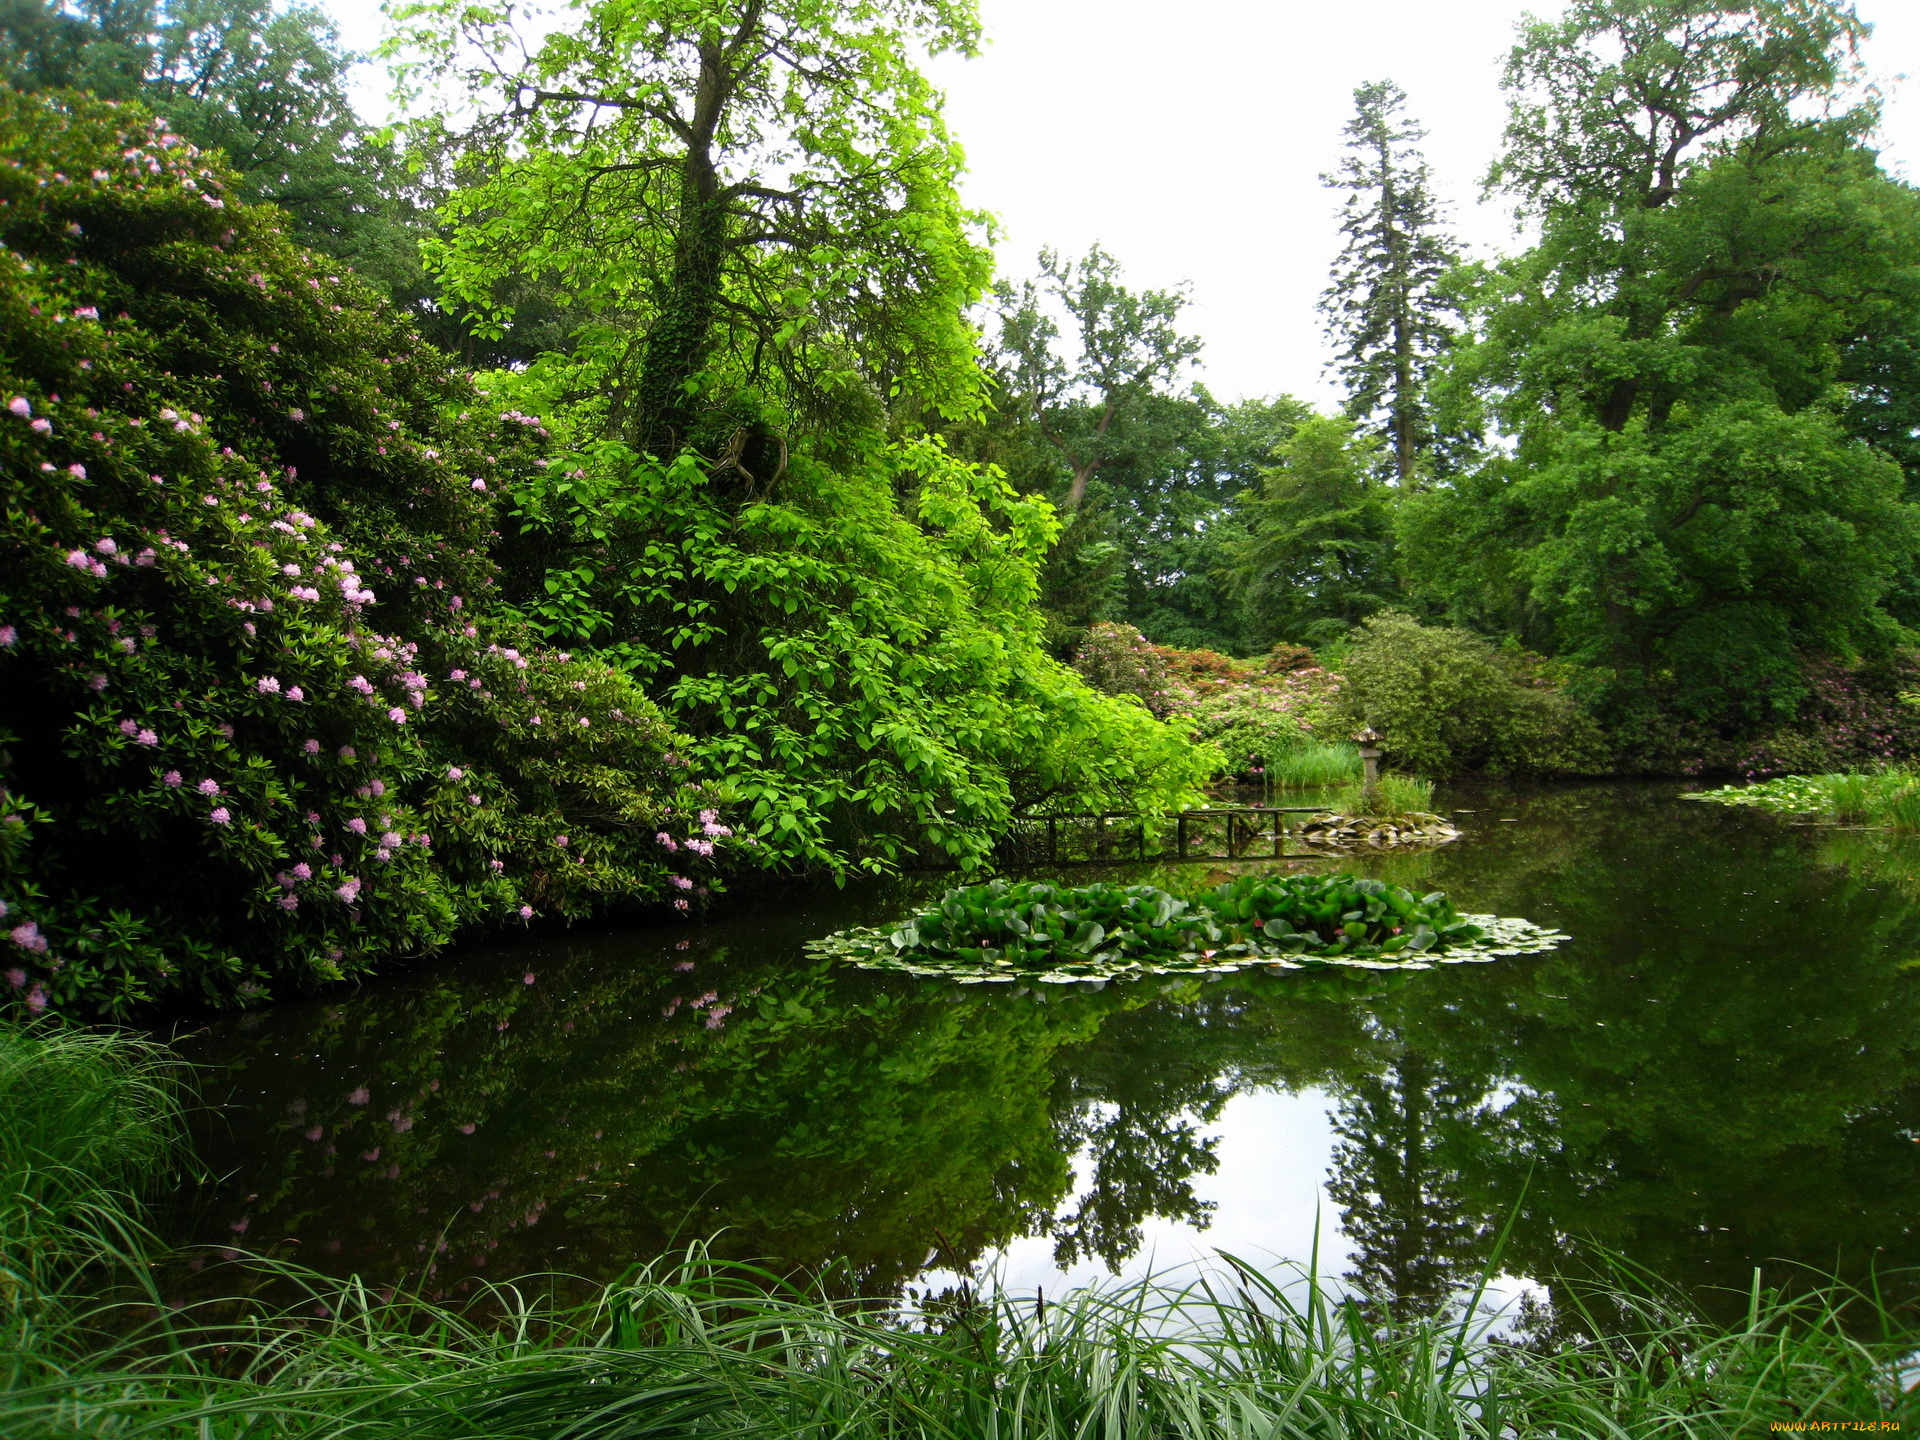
(1037, 933)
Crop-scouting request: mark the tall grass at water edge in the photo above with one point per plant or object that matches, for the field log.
(691, 1347)
(88, 1121)
(1313, 763)
(1888, 799)
(1394, 796)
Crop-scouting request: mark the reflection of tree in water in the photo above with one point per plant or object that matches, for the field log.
(1416, 1230)
(1134, 1101)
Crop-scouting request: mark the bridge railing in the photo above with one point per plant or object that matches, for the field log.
(1252, 832)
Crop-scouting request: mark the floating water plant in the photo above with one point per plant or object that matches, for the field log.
(1033, 931)
(1887, 798)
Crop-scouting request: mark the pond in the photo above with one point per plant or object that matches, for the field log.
(1720, 1070)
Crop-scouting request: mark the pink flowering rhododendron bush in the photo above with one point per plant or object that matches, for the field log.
(262, 722)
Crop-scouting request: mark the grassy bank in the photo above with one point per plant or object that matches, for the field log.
(1889, 798)
(690, 1347)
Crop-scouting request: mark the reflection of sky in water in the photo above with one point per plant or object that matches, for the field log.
(1269, 1189)
(1270, 1208)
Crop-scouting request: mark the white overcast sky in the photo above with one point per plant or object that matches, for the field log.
(1189, 139)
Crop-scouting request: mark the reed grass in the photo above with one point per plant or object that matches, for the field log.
(1394, 796)
(695, 1347)
(88, 1121)
(1312, 764)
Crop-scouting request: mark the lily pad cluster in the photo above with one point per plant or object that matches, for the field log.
(1032, 930)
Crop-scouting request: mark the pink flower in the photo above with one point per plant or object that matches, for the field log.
(561, 841)
(312, 747)
(289, 902)
(479, 484)
(473, 799)
(679, 882)
(360, 1096)
(357, 825)
(105, 547)
(8, 635)
(17, 978)
(527, 979)
(43, 425)
(78, 560)
(316, 1132)
(667, 840)
(397, 715)
(454, 772)
(349, 891)
(28, 937)
(220, 815)
(683, 965)
(146, 738)
(36, 997)
(19, 406)
(267, 685)
(171, 778)
(303, 870)
(526, 912)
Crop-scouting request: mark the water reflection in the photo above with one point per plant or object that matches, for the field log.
(1721, 1070)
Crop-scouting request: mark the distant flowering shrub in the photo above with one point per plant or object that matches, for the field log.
(222, 766)
(1251, 712)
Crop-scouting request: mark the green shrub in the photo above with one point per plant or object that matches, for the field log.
(1449, 703)
(262, 718)
(1119, 660)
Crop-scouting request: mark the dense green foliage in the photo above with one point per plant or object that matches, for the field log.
(1681, 506)
(1447, 702)
(1315, 556)
(93, 1121)
(264, 84)
(837, 609)
(264, 718)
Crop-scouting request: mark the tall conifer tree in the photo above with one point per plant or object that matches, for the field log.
(1384, 308)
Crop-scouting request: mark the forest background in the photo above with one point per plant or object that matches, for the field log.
(855, 548)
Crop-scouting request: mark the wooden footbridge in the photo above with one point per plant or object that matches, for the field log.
(1250, 832)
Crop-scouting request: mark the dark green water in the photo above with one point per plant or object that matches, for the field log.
(1721, 1070)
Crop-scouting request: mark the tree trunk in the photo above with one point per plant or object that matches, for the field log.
(677, 341)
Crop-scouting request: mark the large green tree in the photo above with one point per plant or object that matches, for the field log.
(1314, 555)
(1678, 502)
(1386, 308)
(752, 207)
(753, 200)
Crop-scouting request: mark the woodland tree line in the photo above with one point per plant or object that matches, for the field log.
(662, 388)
